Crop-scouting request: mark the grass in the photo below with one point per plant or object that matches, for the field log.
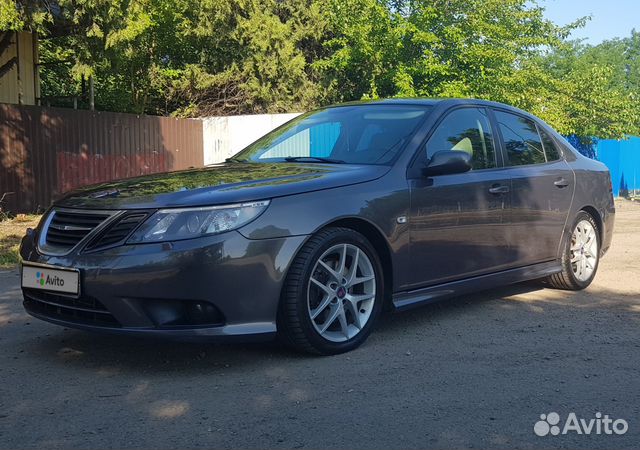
(11, 232)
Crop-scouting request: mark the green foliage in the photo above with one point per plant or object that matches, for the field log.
(10, 16)
(253, 56)
(587, 90)
(18, 15)
(430, 48)
(213, 57)
(191, 57)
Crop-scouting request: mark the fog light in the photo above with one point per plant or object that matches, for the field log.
(201, 313)
(182, 313)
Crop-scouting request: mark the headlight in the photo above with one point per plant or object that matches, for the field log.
(188, 223)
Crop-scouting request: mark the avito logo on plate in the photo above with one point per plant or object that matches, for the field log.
(600, 424)
(43, 279)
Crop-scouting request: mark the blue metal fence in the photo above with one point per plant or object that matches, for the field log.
(623, 160)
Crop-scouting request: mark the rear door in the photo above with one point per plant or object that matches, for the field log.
(542, 186)
(459, 222)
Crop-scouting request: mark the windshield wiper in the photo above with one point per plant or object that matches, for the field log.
(313, 158)
(236, 160)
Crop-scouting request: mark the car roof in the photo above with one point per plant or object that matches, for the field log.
(393, 101)
(446, 103)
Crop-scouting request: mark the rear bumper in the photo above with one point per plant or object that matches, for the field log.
(608, 216)
(214, 288)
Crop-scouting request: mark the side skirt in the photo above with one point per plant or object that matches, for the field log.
(409, 299)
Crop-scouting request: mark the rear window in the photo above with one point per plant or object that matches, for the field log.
(521, 139)
(550, 147)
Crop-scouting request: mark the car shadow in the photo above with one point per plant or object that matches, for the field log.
(130, 354)
(114, 354)
(392, 321)
(93, 350)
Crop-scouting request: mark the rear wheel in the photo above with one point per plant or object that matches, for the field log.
(333, 293)
(580, 256)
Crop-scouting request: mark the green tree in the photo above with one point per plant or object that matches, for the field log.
(433, 48)
(10, 16)
(214, 57)
(16, 15)
(191, 57)
(502, 50)
(256, 56)
(589, 91)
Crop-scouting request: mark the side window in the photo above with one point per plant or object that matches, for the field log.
(521, 139)
(550, 147)
(468, 130)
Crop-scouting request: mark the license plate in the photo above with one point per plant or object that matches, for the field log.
(48, 278)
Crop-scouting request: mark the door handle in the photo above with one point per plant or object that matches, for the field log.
(561, 183)
(499, 189)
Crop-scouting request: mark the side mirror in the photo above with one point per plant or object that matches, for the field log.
(448, 162)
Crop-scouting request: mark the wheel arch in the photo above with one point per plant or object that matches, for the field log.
(593, 212)
(289, 323)
(565, 278)
(379, 242)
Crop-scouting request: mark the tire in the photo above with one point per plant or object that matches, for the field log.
(571, 277)
(333, 312)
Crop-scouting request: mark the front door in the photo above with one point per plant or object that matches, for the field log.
(459, 223)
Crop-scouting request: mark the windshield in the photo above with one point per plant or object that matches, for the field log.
(363, 134)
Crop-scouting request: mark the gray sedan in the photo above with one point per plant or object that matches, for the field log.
(314, 230)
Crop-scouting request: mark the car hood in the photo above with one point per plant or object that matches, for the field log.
(220, 184)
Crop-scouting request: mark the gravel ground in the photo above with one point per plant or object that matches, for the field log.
(476, 371)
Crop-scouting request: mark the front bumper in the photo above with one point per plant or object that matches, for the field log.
(217, 287)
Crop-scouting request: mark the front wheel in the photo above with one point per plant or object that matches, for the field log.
(580, 257)
(333, 293)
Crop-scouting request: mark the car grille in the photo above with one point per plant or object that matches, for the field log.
(118, 231)
(82, 310)
(66, 229)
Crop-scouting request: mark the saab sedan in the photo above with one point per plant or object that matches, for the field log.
(316, 229)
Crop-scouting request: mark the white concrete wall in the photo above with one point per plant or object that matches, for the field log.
(223, 137)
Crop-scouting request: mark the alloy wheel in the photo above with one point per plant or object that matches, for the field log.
(341, 292)
(584, 250)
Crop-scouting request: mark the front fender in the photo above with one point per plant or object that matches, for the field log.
(379, 203)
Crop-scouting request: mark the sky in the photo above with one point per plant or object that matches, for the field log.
(610, 18)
